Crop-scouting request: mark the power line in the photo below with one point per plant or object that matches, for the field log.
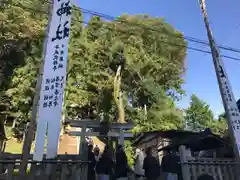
(166, 42)
(192, 39)
(112, 18)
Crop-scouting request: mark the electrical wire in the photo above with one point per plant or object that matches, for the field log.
(192, 39)
(112, 18)
(169, 43)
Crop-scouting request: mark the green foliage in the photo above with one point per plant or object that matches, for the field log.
(129, 153)
(199, 117)
(150, 69)
(24, 29)
(219, 127)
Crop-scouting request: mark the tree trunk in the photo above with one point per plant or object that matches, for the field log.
(118, 96)
(14, 123)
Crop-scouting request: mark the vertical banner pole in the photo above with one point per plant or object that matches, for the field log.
(229, 102)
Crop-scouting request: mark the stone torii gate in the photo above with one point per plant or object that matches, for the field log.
(116, 130)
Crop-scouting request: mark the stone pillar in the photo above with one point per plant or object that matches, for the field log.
(121, 138)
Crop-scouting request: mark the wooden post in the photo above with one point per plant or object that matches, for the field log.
(26, 128)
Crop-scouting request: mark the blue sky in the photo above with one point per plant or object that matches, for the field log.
(185, 15)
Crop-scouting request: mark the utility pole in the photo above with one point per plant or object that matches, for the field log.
(229, 102)
(32, 124)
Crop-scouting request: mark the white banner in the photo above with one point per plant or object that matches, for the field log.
(53, 81)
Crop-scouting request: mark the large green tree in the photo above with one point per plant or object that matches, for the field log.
(150, 68)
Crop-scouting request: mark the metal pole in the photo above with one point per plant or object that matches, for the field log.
(32, 124)
(229, 102)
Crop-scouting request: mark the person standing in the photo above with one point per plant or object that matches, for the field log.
(104, 166)
(121, 172)
(91, 164)
(138, 164)
(151, 166)
(171, 166)
(96, 152)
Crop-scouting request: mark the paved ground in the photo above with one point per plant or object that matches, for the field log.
(69, 144)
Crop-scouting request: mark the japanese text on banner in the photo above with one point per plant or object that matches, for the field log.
(231, 104)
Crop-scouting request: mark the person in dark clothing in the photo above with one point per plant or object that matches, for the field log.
(171, 164)
(151, 166)
(105, 165)
(121, 164)
(205, 177)
(91, 164)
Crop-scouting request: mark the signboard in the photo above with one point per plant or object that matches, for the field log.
(229, 101)
(53, 81)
